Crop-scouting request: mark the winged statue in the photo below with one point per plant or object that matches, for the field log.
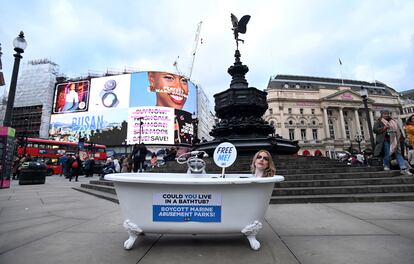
(239, 27)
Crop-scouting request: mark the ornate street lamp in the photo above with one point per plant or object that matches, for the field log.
(125, 143)
(364, 94)
(358, 139)
(19, 44)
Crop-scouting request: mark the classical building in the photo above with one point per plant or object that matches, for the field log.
(407, 104)
(324, 114)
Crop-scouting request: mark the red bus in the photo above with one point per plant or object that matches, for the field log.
(50, 151)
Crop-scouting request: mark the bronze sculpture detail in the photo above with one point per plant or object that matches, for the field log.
(239, 27)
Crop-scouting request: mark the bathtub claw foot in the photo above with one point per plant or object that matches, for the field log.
(251, 231)
(133, 231)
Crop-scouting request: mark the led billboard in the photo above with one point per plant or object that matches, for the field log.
(149, 107)
(71, 97)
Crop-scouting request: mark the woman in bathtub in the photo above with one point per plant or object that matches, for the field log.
(262, 164)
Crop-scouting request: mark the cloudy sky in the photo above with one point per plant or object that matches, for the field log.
(374, 39)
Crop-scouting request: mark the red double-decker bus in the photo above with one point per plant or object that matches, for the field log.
(49, 151)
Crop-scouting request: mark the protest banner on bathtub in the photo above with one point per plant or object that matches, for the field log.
(186, 207)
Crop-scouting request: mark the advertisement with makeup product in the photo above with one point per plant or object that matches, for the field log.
(150, 107)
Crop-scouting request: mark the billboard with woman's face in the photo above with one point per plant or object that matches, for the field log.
(149, 107)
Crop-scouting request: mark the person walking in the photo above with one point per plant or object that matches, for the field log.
(388, 138)
(62, 162)
(75, 168)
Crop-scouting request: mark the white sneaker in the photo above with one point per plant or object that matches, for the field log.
(406, 172)
(386, 168)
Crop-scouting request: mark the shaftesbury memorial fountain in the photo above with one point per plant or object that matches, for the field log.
(240, 109)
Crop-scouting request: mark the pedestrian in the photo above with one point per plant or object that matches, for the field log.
(138, 155)
(15, 168)
(153, 160)
(68, 170)
(75, 168)
(388, 138)
(62, 162)
(125, 165)
(117, 165)
(108, 168)
(88, 166)
(409, 129)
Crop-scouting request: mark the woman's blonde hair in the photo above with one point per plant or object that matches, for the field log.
(269, 171)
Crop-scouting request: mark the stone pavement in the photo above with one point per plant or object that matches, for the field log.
(52, 223)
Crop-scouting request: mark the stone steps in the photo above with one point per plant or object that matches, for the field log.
(343, 198)
(345, 182)
(98, 193)
(340, 175)
(103, 187)
(400, 188)
(318, 170)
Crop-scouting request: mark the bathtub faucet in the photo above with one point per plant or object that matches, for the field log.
(195, 164)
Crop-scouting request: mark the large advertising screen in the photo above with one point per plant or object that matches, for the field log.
(71, 97)
(149, 107)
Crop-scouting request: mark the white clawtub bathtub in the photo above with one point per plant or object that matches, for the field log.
(192, 203)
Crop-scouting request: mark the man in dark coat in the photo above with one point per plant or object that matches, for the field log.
(138, 156)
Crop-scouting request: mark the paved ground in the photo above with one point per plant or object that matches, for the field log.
(51, 223)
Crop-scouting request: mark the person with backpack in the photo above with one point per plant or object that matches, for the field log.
(75, 168)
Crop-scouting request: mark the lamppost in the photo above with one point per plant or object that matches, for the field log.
(194, 120)
(358, 139)
(364, 94)
(140, 128)
(125, 143)
(19, 44)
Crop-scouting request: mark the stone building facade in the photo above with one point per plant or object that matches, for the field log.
(326, 115)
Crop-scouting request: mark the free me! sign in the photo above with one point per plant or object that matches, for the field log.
(186, 207)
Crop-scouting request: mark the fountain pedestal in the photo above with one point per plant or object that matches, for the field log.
(240, 109)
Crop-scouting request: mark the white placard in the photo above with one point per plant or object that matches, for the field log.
(225, 154)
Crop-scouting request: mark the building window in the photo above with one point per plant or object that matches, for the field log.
(347, 129)
(291, 122)
(303, 134)
(331, 129)
(313, 111)
(329, 112)
(302, 122)
(289, 110)
(271, 111)
(291, 134)
(315, 134)
(301, 111)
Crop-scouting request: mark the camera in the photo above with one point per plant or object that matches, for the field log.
(108, 97)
